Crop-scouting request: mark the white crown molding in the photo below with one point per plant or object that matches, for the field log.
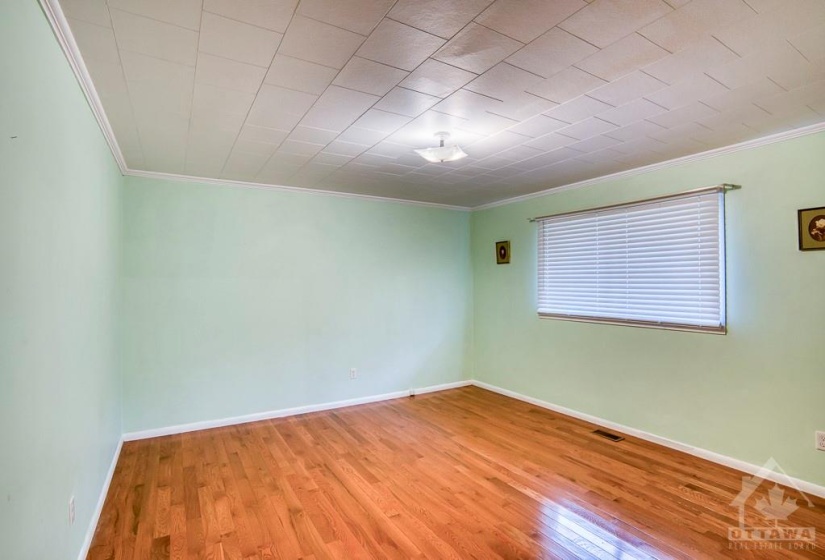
(232, 421)
(285, 188)
(712, 456)
(747, 145)
(90, 531)
(60, 27)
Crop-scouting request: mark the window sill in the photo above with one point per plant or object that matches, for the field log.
(640, 324)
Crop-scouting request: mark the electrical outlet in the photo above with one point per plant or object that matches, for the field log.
(71, 510)
(353, 373)
(820, 441)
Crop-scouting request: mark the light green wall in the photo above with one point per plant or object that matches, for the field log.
(59, 392)
(755, 393)
(238, 301)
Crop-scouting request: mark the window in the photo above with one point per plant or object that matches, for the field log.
(655, 263)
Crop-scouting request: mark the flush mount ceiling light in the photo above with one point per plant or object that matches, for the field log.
(442, 153)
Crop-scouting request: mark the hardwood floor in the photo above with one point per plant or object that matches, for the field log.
(459, 474)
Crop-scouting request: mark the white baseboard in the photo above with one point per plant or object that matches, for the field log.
(712, 456)
(206, 424)
(90, 532)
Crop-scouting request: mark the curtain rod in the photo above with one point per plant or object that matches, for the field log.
(724, 187)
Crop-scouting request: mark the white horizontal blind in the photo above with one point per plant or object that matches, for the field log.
(656, 263)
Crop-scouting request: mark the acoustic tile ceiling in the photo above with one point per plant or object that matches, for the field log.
(336, 94)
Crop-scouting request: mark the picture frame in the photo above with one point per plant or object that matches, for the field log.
(502, 252)
(811, 228)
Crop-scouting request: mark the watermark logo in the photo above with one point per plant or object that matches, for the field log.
(766, 513)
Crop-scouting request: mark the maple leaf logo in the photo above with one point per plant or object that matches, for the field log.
(776, 507)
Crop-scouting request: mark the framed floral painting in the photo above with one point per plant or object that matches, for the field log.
(812, 229)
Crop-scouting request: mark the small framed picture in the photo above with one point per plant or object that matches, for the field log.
(812, 229)
(502, 252)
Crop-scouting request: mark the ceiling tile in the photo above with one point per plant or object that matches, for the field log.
(253, 147)
(225, 73)
(753, 92)
(566, 85)
(444, 18)
(293, 73)
(694, 21)
(381, 121)
(338, 108)
(551, 53)
(399, 45)
(238, 41)
(685, 130)
(155, 38)
(578, 109)
(606, 21)
(331, 159)
(319, 42)
(243, 166)
(811, 44)
(812, 94)
(210, 102)
(251, 133)
(723, 120)
(466, 104)
(786, 20)
(634, 111)
(406, 102)
(280, 108)
(686, 114)
(297, 148)
(95, 42)
(486, 124)
(627, 88)
(635, 131)
(538, 126)
(365, 75)
(342, 148)
(779, 61)
(587, 128)
(271, 14)
(477, 49)
(687, 91)
(109, 80)
(360, 16)
(520, 105)
(503, 81)
(90, 11)
(312, 135)
(362, 136)
(695, 59)
(594, 143)
(185, 13)
(622, 57)
(437, 78)
(524, 20)
(164, 143)
(158, 86)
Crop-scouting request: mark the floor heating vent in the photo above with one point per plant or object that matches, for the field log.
(608, 435)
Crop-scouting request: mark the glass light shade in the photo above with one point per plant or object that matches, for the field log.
(442, 154)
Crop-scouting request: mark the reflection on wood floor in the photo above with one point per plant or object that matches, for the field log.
(464, 473)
